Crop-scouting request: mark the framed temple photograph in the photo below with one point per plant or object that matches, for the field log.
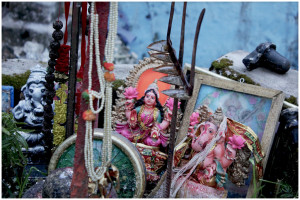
(227, 128)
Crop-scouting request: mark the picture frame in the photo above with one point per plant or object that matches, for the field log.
(7, 98)
(262, 105)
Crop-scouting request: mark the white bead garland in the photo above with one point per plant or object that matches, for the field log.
(107, 86)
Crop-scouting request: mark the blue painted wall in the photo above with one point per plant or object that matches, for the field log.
(227, 26)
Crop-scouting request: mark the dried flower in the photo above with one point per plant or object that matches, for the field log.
(109, 77)
(131, 93)
(236, 141)
(170, 103)
(88, 115)
(108, 66)
(194, 119)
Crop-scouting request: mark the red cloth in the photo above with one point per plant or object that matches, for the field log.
(67, 8)
(79, 185)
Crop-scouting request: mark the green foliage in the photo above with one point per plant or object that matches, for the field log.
(17, 81)
(292, 100)
(22, 181)
(223, 67)
(118, 83)
(223, 63)
(12, 142)
(283, 190)
(256, 190)
(14, 175)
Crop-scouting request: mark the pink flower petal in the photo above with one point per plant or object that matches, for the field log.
(170, 103)
(130, 93)
(194, 118)
(237, 141)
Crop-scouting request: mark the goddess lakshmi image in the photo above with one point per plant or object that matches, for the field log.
(215, 151)
(146, 126)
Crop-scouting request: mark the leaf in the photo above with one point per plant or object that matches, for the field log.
(287, 195)
(4, 130)
(21, 140)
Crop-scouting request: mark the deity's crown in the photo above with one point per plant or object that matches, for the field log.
(37, 74)
(154, 87)
(218, 116)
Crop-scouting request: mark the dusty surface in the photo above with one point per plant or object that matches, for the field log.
(288, 82)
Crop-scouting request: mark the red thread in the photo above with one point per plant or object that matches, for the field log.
(83, 20)
(58, 12)
(62, 63)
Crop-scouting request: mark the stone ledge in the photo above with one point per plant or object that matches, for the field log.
(288, 82)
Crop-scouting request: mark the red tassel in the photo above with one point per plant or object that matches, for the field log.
(62, 63)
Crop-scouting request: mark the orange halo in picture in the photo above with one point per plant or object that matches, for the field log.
(148, 77)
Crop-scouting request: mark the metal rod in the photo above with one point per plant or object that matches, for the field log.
(178, 67)
(73, 70)
(170, 20)
(192, 76)
(171, 149)
(181, 48)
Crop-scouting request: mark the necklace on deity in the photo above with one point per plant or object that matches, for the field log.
(147, 106)
(142, 124)
(105, 85)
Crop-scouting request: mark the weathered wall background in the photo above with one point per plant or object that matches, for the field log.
(227, 26)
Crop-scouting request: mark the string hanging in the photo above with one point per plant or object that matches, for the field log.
(62, 63)
(105, 85)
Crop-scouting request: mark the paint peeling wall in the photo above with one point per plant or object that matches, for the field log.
(227, 26)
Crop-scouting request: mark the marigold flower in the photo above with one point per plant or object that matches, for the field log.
(109, 77)
(88, 115)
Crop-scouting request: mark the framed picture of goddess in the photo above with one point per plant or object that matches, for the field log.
(226, 126)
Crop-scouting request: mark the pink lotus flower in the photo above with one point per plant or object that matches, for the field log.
(130, 93)
(236, 141)
(170, 103)
(194, 119)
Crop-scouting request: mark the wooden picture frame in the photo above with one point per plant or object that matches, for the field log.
(207, 86)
